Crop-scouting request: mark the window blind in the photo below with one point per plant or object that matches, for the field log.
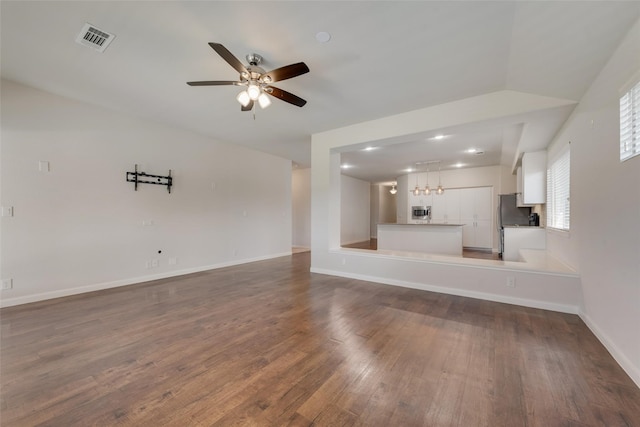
(558, 186)
(630, 123)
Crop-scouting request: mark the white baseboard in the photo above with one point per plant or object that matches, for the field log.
(545, 305)
(9, 302)
(624, 362)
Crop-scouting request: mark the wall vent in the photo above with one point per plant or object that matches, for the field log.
(94, 38)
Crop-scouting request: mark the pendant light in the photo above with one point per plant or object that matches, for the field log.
(440, 189)
(427, 190)
(416, 191)
(393, 189)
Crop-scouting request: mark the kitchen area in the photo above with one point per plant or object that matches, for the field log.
(502, 215)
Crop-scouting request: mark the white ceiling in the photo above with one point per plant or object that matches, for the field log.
(384, 58)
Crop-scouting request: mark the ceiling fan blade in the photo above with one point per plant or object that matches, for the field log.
(213, 83)
(249, 106)
(285, 96)
(288, 71)
(228, 56)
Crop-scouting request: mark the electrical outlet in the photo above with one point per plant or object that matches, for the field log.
(7, 284)
(511, 282)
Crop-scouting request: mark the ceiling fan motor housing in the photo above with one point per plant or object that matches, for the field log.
(254, 59)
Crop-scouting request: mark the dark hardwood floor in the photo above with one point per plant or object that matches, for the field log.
(372, 244)
(269, 344)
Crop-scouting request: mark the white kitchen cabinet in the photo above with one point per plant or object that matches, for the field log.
(476, 213)
(477, 234)
(446, 207)
(439, 208)
(452, 208)
(532, 179)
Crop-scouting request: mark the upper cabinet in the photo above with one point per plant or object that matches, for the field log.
(532, 179)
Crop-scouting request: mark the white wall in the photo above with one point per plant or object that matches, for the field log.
(402, 199)
(301, 199)
(387, 210)
(604, 241)
(354, 215)
(80, 227)
(374, 211)
(383, 207)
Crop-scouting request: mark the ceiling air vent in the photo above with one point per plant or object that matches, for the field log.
(94, 38)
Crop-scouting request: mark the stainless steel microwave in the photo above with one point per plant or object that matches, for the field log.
(420, 212)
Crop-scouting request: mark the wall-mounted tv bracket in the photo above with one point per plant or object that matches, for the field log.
(145, 178)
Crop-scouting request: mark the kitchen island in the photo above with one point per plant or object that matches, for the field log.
(443, 239)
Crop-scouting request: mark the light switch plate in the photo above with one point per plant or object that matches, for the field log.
(7, 284)
(43, 166)
(7, 211)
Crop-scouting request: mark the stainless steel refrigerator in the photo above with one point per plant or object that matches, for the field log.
(509, 214)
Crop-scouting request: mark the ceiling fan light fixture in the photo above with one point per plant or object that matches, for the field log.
(264, 100)
(253, 91)
(243, 98)
(256, 79)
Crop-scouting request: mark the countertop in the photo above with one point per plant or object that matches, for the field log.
(521, 226)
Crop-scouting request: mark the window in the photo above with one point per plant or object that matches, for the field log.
(630, 123)
(558, 173)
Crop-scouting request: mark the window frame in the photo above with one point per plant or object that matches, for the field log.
(629, 110)
(558, 213)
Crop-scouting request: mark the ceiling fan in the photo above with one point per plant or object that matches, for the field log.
(257, 80)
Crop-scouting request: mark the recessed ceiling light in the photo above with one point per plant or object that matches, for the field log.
(370, 148)
(323, 36)
(408, 170)
(345, 166)
(439, 137)
(471, 150)
(458, 165)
